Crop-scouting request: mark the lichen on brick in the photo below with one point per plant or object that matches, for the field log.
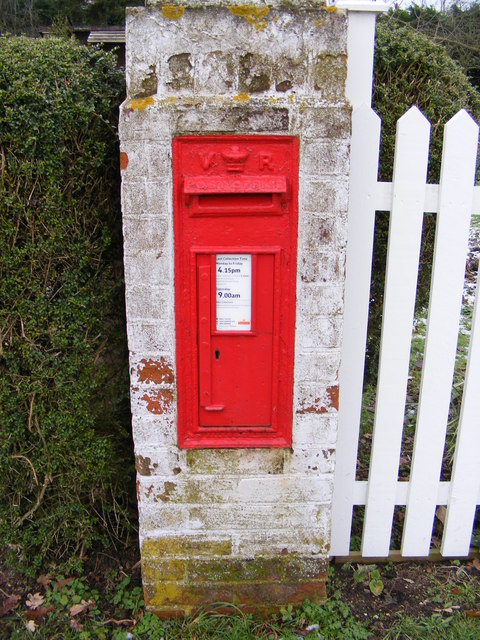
(139, 104)
(172, 12)
(252, 13)
(329, 75)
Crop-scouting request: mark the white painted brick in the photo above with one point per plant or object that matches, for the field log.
(286, 488)
(252, 516)
(169, 518)
(317, 333)
(151, 123)
(149, 336)
(317, 366)
(325, 158)
(329, 195)
(159, 461)
(239, 462)
(314, 397)
(323, 267)
(142, 197)
(311, 460)
(271, 542)
(151, 268)
(327, 122)
(148, 302)
(154, 402)
(151, 430)
(147, 160)
(314, 429)
(320, 300)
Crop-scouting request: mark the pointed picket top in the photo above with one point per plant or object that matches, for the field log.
(462, 119)
(414, 126)
(365, 113)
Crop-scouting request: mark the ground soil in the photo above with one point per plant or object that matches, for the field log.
(417, 589)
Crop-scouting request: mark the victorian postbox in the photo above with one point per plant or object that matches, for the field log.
(235, 228)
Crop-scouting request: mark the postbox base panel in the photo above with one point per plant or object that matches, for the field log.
(175, 586)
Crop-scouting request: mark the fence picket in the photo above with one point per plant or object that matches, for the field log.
(465, 483)
(409, 180)
(451, 248)
(363, 180)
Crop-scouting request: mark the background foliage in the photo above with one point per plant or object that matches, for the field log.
(410, 69)
(65, 458)
(25, 16)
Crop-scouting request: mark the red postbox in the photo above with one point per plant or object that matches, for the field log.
(235, 227)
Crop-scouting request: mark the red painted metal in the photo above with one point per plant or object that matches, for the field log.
(235, 228)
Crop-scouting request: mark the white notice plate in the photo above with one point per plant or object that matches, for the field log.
(234, 291)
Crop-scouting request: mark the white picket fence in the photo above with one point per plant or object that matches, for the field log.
(407, 197)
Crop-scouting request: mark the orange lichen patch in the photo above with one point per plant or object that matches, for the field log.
(123, 161)
(139, 104)
(156, 371)
(250, 12)
(329, 8)
(333, 395)
(158, 402)
(241, 97)
(172, 12)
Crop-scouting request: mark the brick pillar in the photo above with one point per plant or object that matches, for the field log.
(250, 526)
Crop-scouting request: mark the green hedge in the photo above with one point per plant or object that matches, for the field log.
(64, 452)
(411, 70)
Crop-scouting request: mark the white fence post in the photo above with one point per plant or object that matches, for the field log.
(361, 221)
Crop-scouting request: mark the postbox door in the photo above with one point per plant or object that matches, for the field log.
(236, 326)
(235, 235)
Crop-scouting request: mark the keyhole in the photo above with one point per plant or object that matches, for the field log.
(217, 355)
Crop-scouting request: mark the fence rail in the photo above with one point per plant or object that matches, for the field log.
(407, 198)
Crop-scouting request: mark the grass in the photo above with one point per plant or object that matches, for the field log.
(364, 602)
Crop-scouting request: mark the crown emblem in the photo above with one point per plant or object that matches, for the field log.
(235, 159)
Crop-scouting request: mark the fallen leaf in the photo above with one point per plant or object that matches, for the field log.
(44, 580)
(8, 605)
(365, 568)
(35, 601)
(36, 614)
(441, 513)
(75, 625)
(61, 583)
(80, 608)
(31, 626)
(472, 613)
(476, 563)
(408, 580)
